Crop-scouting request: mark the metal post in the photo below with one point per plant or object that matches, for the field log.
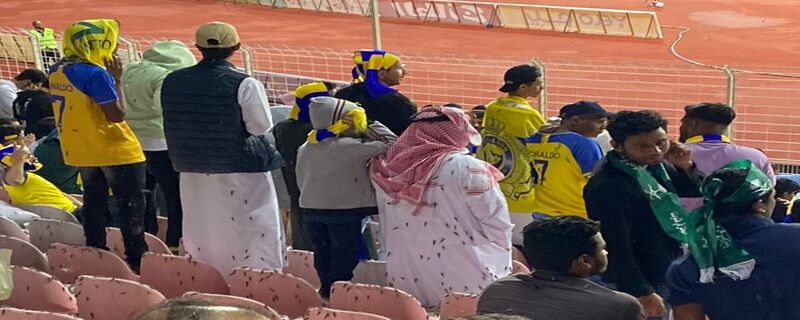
(376, 25)
(731, 94)
(37, 52)
(247, 59)
(132, 49)
(543, 94)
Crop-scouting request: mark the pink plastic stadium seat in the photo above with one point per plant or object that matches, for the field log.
(25, 254)
(174, 276)
(234, 301)
(388, 302)
(46, 231)
(301, 264)
(48, 212)
(518, 267)
(22, 314)
(69, 262)
(115, 243)
(162, 228)
(37, 290)
(101, 298)
(458, 305)
(12, 229)
(334, 314)
(287, 294)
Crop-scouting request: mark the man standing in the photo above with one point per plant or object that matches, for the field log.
(47, 43)
(216, 119)
(765, 284)
(85, 87)
(703, 129)
(377, 72)
(562, 161)
(507, 122)
(442, 214)
(142, 82)
(566, 252)
(634, 194)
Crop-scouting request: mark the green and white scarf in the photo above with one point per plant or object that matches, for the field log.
(710, 245)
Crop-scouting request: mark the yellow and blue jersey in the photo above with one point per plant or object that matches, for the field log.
(507, 122)
(88, 139)
(560, 166)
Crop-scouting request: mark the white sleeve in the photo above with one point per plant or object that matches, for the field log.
(253, 100)
(7, 96)
(486, 203)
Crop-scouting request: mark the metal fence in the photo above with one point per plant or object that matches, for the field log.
(767, 119)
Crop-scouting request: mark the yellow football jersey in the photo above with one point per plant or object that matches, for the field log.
(87, 138)
(561, 164)
(507, 122)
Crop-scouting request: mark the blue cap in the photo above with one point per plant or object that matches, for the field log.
(582, 108)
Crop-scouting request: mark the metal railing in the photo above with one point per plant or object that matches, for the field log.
(767, 119)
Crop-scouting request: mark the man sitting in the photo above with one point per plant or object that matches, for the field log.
(25, 187)
(565, 252)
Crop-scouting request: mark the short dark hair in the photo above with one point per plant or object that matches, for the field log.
(718, 113)
(783, 185)
(553, 244)
(629, 123)
(453, 105)
(9, 127)
(329, 85)
(479, 107)
(731, 179)
(218, 53)
(34, 75)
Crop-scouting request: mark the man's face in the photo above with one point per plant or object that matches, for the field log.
(476, 119)
(393, 75)
(647, 148)
(533, 89)
(600, 255)
(788, 196)
(687, 128)
(38, 25)
(589, 126)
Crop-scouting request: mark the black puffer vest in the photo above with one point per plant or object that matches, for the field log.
(203, 122)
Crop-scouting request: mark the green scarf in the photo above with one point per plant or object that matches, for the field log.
(710, 245)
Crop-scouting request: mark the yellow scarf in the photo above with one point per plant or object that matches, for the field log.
(91, 41)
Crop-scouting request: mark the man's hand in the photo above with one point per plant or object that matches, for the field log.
(653, 305)
(114, 66)
(348, 120)
(20, 154)
(679, 155)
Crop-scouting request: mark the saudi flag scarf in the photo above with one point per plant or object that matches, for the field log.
(710, 245)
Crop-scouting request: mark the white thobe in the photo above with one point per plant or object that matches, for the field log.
(462, 244)
(232, 220)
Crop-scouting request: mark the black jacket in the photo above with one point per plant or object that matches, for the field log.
(32, 106)
(639, 251)
(394, 110)
(289, 135)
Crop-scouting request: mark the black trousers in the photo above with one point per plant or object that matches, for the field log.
(336, 248)
(127, 184)
(160, 167)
